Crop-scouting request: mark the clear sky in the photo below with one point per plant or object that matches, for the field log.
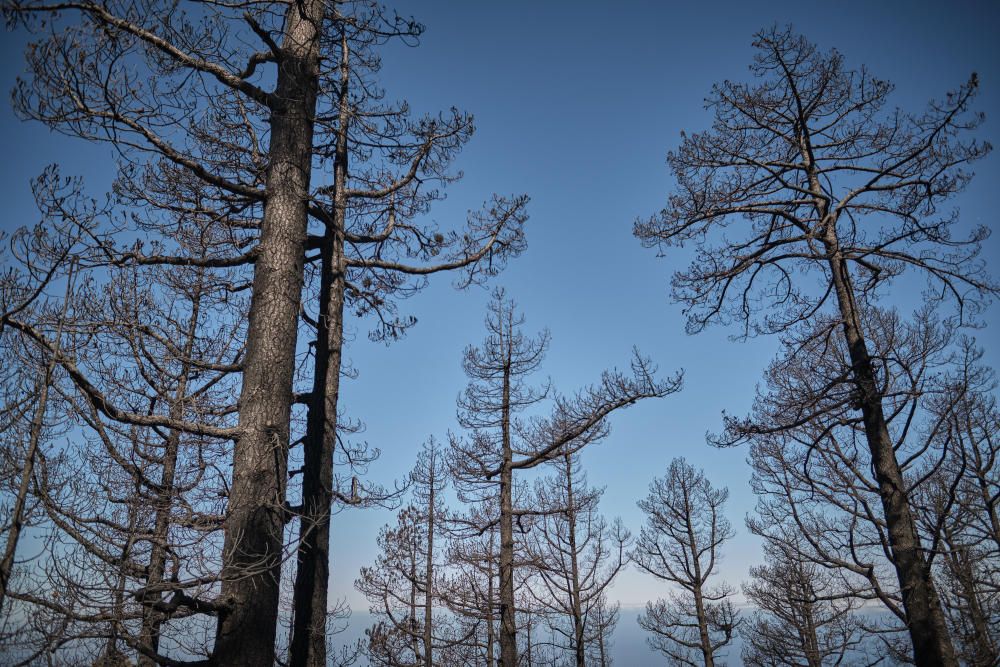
(576, 104)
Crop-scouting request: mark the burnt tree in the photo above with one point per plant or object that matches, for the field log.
(810, 174)
(681, 543)
(500, 443)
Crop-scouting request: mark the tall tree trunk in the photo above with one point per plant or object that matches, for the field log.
(508, 628)
(412, 575)
(932, 646)
(578, 647)
(112, 655)
(429, 570)
(490, 627)
(312, 574)
(18, 511)
(255, 522)
(703, 638)
(152, 620)
(699, 581)
(924, 616)
(807, 632)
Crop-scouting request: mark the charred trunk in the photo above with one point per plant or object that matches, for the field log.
(255, 520)
(925, 620)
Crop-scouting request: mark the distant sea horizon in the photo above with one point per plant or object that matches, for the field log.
(629, 647)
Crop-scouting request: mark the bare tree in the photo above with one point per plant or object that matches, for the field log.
(17, 515)
(227, 112)
(577, 555)
(135, 510)
(958, 505)
(135, 79)
(604, 619)
(817, 495)
(395, 587)
(500, 444)
(469, 590)
(800, 618)
(402, 585)
(37, 258)
(809, 172)
(681, 544)
(372, 248)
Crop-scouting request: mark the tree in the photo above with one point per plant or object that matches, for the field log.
(31, 419)
(799, 618)
(396, 589)
(402, 585)
(133, 510)
(16, 410)
(812, 473)
(809, 173)
(134, 80)
(500, 443)
(382, 161)
(469, 590)
(38, 257)
(230, 113)
(681, 544)
(577, 555)
(958, 505)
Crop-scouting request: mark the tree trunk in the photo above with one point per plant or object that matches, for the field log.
(924, 616)
(312, 575)
(429, 571)
(696, 590)
(810, 641)
(699, 605)
(256, 513)
(578, 648)
(17, 513)
(490, 628)
(508, 629)
(412, 575)
(149, 632)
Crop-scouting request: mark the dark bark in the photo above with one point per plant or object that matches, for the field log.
(256, 517)
(925, 619)
(313, 572)
(428, 629)
(508, 623)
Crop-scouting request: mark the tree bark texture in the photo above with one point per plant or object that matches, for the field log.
(256, 515)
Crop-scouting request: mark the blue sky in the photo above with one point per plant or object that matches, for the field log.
(576, 104)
